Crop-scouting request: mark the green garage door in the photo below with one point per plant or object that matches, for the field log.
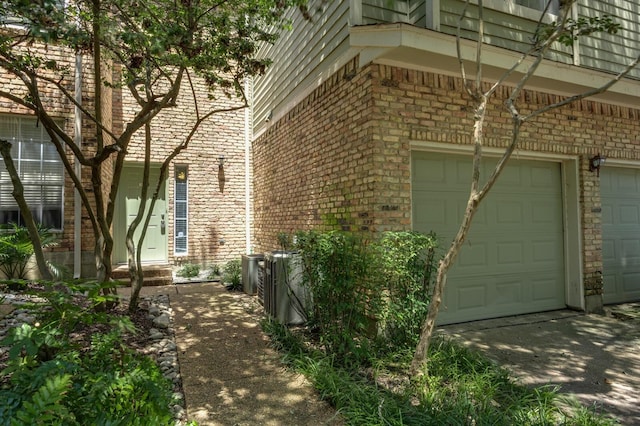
(512, 262)
(620, 197)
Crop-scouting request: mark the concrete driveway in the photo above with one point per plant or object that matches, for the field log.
(594, 357)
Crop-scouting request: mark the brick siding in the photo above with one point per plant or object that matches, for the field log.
(341, 157)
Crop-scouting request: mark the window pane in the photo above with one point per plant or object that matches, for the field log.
(181, 211)
(39, 168)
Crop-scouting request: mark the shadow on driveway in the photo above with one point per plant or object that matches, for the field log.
(594, 357)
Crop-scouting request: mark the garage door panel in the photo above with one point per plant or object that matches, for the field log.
(510, 253)
(430, 171)
(630, 251)
(509, 292)
(474, 256)
(509, 212)
(515, 246)
(541, 178)
(631, 282)
(620, 197)
(543, 215)
(545, 252)
(628, 214)
(544, 290)
(607, 214)
(608, 251)
(510, 178)
(471, 296)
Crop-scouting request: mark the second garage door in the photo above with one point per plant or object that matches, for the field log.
(620, 197)
(512, 262)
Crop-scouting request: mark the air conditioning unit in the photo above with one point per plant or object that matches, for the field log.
(250, 272)
(261, 280)
(285, 297)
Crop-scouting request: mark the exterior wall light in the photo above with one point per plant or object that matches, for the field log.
(221, 161)
(595, 163)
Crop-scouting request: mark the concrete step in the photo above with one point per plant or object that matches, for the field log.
(154, 275)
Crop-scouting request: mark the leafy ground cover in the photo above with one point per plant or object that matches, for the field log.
(80, 363)
(462, 387)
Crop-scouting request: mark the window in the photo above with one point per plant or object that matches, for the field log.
(527, 9)
(540, 5)
(40, 169)
(181, 211)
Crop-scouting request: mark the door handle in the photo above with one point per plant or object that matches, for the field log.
(163, 225)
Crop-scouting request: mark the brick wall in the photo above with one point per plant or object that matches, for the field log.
(341, 157)
(216, 196)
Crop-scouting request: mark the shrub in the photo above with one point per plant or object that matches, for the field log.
(407, 263)
(214, 273)
(189, 270)
(16, 250)
(346, 295)
(367, 292)
(232, 276)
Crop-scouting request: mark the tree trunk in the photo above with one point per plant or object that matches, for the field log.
(418, 364)
(18, 195)
(134, 256)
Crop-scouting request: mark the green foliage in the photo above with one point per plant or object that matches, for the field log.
(346, 296)
(573, 29)
(406, 260)
(213, 39)
(16, 249)
(233, 275)
(188, 270)
(463, 388)
(214, 272)
(51, 379)
(367, 292)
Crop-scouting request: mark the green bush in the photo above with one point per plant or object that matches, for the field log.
(232, 276)
(52, 377)
(188, 270)
(367, 292)
(214, 273)
(407, 263)
(346, 294)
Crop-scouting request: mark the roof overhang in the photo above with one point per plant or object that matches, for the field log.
(412, 47)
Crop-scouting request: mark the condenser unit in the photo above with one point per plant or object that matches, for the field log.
(250, 272)
(285, 297)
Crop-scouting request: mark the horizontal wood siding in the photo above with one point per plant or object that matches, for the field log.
(299, 55)
(611, 52)
(501, 29)
(385, 11)
(418, 13)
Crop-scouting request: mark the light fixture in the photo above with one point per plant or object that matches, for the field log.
(595, 163)
(221, 161)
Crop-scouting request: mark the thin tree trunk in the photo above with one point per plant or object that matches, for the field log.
(134, 256)
(18, 195)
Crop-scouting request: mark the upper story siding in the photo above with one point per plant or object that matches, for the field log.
(300, 55)
(312, 50)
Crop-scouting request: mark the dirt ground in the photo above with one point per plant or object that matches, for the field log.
(593, 357)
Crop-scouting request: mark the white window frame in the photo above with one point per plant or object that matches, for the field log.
(511, 7)
(176, 217)
(19, 144)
